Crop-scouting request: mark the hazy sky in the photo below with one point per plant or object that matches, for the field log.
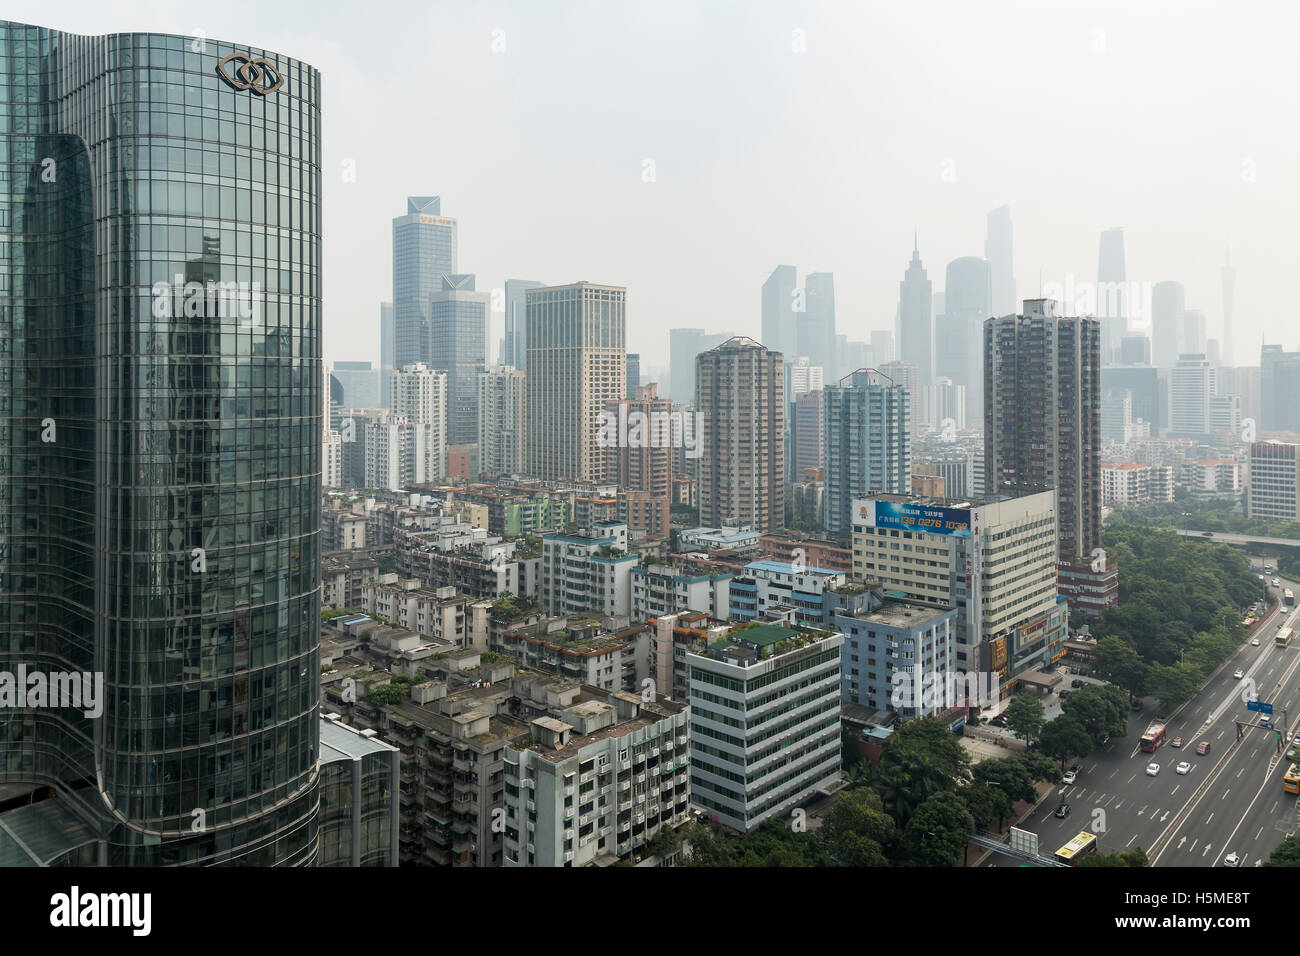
(816, 134)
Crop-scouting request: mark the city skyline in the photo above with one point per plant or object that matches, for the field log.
(1100, 65)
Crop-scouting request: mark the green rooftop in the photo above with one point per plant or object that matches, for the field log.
(765, 635)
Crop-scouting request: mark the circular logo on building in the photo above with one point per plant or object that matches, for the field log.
(242, 71)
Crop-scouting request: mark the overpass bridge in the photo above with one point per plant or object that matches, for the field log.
(1227, 537)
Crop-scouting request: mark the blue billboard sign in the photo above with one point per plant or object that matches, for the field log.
(930, 519)
(1260, 706)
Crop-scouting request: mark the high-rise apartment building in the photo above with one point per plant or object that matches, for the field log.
(639, 436)
(424, 250)
(410, 445)
(1042, 431)
(1274, 488)
(740, 389)
(868, 446)
(160, 453)
(915, 323)
(501, 421)
(577, 361)
(515, 347)
(458, 326)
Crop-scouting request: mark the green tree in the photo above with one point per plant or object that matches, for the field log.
(1101, 708)
(937, 833)
(1024, 715)
(1115, 661)
(857, 829)
(1134, 857)
(923, 759)
(1065, 737)
(1286, 853)
(1174, 685)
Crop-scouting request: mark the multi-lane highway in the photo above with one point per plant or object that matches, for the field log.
(1231, 800)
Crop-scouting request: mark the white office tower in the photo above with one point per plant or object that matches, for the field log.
(949, 405)
(803, 377)
(1191, 389)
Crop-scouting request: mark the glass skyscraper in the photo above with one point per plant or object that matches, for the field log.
(160, 440)
(424, 250)
(458, 326)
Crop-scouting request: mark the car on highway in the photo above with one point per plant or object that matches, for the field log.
(1277, 582)
(1176, 742)
(1153, 769)
(1232, 860)
(1207, 534)
(1182, 768)
(1062, 811)
(1203, 747)
(1255, 642)
(1070, 776)
(1239, 673)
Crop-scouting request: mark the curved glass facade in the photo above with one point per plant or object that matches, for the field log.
(160, 422)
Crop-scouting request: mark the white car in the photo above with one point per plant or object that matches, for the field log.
(1153, 769)
(1070, 777)
(1255, 642)
(1231, 860)
(1238, 673)
(1182, 768)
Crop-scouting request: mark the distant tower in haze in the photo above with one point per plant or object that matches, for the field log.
(997, 250)
(1112, 294)
(1167, 308)
(959, 332)
(915, 323)
(778, 306)
(815, 336)
(1229, 278)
